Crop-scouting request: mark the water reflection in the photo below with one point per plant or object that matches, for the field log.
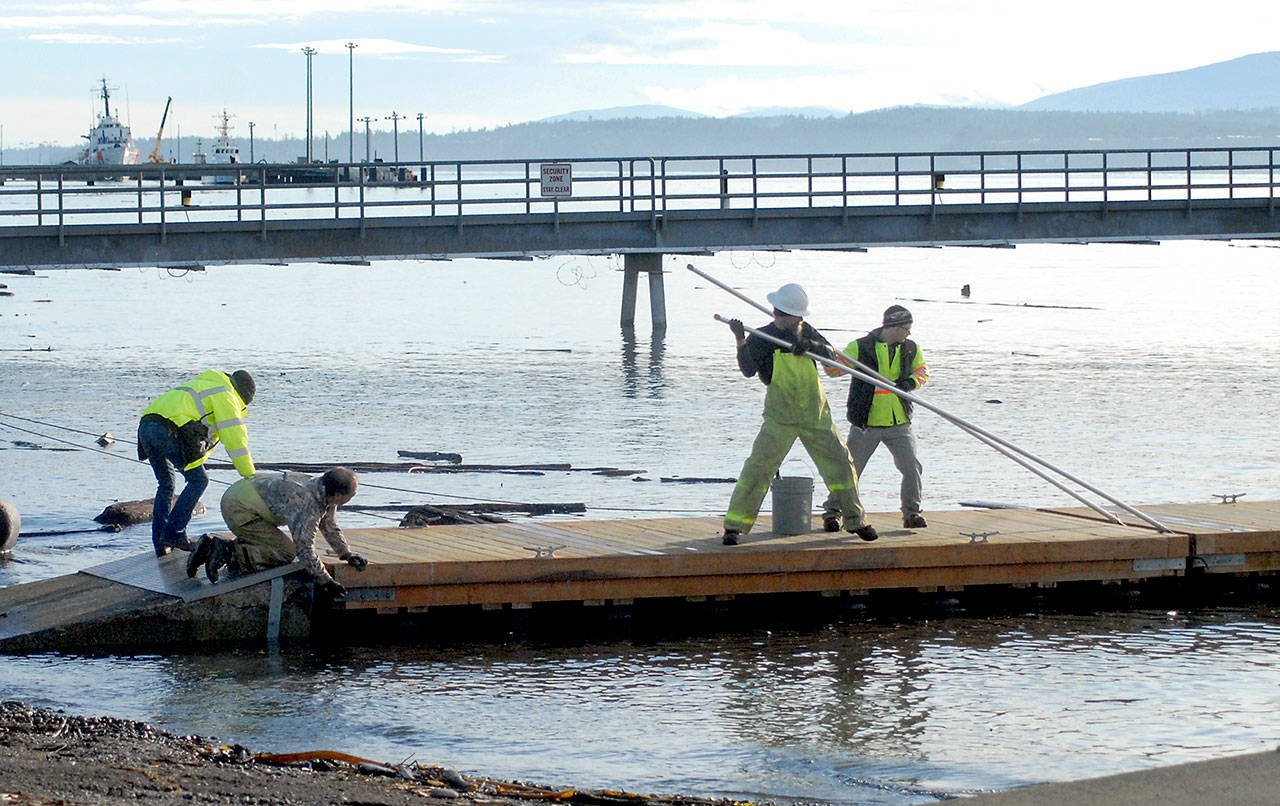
(646, 381)
(855, 711)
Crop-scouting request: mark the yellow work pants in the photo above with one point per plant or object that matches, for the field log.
(823, 443)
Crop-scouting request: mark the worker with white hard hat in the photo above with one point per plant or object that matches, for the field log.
(795, 407)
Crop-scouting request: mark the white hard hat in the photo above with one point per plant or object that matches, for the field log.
(790, 299)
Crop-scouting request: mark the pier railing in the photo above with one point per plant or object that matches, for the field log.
(68, 196)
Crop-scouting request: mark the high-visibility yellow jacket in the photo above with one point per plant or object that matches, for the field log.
(795, 395)
(206, 411)
(904, 363)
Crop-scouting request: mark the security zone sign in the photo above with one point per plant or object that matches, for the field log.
(557, 180)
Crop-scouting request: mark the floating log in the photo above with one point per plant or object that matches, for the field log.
(427, 515)
(128, 513)
(395, 467)
(432, 456)
(498, 468)
(31, 446)
(1003, 304)
(697, 480)
(529, 509)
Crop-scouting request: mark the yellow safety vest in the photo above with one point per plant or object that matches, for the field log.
(886, 407)
(213, 400)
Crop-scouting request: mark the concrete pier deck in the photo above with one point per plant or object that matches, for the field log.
(518, 566)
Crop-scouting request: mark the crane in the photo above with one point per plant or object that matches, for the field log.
(155, 152)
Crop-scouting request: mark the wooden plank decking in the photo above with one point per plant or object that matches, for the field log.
(138, 600)
(519, 564)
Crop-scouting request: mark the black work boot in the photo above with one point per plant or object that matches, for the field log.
(915, 521)
(730, 537)
(175, 540)
(218, 557)
(830, 522)
(867, 532)
(199, 555)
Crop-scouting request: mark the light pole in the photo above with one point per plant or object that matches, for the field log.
(366, 120)
(420, 151)
(309, 51)
(395, 129)
(351, 101)
(251, 141)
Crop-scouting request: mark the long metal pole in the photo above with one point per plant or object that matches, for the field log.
(395, 132)
(989, 440)
(365, 120)
(351, 101)
(309, 52)
(856, 369)
(420, 149)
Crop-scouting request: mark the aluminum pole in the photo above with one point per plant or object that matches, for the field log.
(875, 379)
(351, 101)
(309, 51)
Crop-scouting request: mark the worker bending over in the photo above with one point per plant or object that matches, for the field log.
(256, 508)
(179, 430)
(795, 407)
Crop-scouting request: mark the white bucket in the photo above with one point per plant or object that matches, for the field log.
(792, 505)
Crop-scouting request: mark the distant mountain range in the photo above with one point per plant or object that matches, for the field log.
(652, 111)
(1249, 82)
(1234, 103)
(643, 111)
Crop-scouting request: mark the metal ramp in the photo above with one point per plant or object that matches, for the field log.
(168, 575)
(142, 599)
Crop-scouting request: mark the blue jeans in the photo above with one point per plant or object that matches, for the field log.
(160, 443)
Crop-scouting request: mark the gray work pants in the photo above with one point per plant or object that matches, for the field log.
(901, 442)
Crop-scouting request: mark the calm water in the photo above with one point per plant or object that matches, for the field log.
(1150, 375)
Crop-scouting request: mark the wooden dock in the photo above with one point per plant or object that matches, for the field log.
(594, 562)
(522, 565)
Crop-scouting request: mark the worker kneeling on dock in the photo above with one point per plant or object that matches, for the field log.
(255, 509)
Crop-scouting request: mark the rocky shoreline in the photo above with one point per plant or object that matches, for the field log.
(50, 757)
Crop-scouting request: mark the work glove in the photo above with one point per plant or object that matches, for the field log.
(906, 383)
(801, 346)
(355, 560)
(735, 325)
(331, 589)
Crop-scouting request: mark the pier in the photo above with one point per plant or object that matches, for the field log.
(443, 575)
(639, 207)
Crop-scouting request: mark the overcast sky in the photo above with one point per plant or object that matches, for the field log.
(481, 63)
